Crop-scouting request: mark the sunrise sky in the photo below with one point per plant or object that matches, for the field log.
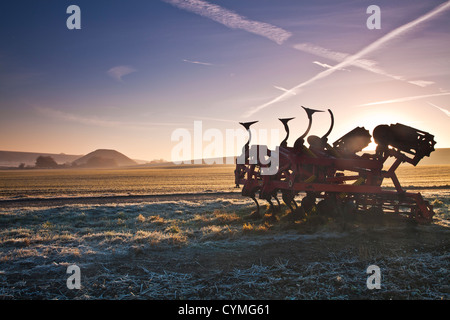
(139, 70)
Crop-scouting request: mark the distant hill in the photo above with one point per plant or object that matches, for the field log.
(439, 156)
(104, 158)
(15, 158)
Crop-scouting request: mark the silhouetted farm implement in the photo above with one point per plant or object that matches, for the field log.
(339, 178)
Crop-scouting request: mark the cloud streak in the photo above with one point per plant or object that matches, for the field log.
(365, 64)
(95, 121)
(60, 115)
(119, 72)
(285, 90)
(421, 83)
(231, 19)
(200, 118)
(350, 60)
(442, 109)
(327, 66)
(404, 99)
(198, 62)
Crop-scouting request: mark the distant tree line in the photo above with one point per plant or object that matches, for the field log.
(157, 161)
(47, 162)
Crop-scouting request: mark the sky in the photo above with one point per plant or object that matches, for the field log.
(137, 71)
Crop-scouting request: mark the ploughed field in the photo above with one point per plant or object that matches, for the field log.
(16, 184)
(196, 242)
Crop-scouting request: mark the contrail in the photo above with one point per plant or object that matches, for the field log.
(285, 90)
(404, 99)
(94, 121)
(211, 119)
(323, 65)
(365, 64)
(421, 83)
(442, 109)
(326, 66)
(231, 19)
(351, 59)
(198, 62)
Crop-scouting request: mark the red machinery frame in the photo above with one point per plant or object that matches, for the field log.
(336, 174)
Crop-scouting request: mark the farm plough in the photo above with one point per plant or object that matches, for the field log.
(338, 178)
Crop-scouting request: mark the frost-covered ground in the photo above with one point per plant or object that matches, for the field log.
(206, 249)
